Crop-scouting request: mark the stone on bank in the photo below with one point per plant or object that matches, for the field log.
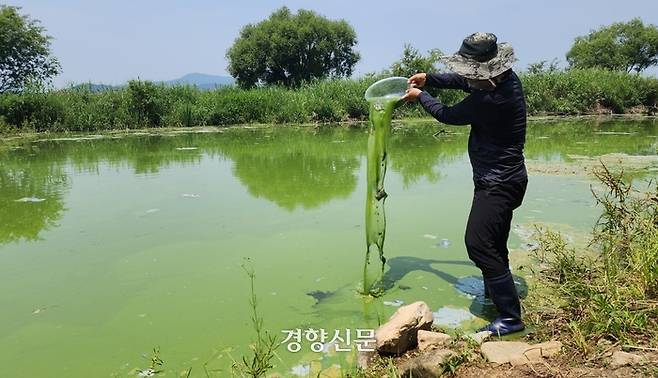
(399, 333)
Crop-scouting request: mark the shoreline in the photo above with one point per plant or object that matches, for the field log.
(351, 123)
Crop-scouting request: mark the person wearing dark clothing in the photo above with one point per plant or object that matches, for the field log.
(495, 108)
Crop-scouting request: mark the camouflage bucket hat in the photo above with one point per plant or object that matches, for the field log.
(480, 57)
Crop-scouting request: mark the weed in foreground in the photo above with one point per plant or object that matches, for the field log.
(607, 294)
(265, 345)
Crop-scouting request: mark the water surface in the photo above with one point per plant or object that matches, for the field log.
(110, 246)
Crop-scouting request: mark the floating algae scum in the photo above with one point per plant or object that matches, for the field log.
(383, 96)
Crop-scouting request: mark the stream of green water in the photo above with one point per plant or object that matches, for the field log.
(381, 112)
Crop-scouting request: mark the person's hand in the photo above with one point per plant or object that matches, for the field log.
(411, 94)
(417, 80)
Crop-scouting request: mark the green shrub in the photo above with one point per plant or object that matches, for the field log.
(37, 111)
(89, 111)
(234, 106)
(580, 91)
(320, 108)
(147, 102)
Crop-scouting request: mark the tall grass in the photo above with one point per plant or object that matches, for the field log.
(609, 293)
(588, 91)
(142, 104)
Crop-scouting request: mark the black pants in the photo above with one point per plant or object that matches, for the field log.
(489, 224)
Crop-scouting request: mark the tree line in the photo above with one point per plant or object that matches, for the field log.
(289, 49)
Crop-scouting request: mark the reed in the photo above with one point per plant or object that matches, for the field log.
(143, 104)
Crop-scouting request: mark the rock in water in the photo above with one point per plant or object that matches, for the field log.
(399, 333)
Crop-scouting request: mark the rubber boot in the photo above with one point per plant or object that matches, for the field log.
(506, 299)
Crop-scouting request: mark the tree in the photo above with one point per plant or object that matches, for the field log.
(543, 66)
(413, 62)
(289, 49)
(629, 46)
(25, 56)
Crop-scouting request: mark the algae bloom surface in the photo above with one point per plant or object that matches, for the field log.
(113, 245)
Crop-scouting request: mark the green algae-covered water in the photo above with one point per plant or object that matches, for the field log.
(381, 112)
(113, 245)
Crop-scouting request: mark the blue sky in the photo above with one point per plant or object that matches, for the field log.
(113, 41)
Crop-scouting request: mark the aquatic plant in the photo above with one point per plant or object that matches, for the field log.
(264, 347)
(155, 366)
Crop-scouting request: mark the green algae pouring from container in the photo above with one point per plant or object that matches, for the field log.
(383, 96)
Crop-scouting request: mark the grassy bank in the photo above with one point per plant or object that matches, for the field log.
(145, 104)
(606, 295)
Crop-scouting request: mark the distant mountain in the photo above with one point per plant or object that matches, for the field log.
(202, 81)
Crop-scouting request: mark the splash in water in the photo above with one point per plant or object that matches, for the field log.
(381, 111)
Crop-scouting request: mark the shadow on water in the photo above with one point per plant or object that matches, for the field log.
(470, 286)
(320, 295)
(473, 287)
(400, 266)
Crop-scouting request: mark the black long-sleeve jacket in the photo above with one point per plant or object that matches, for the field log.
(498, 124)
